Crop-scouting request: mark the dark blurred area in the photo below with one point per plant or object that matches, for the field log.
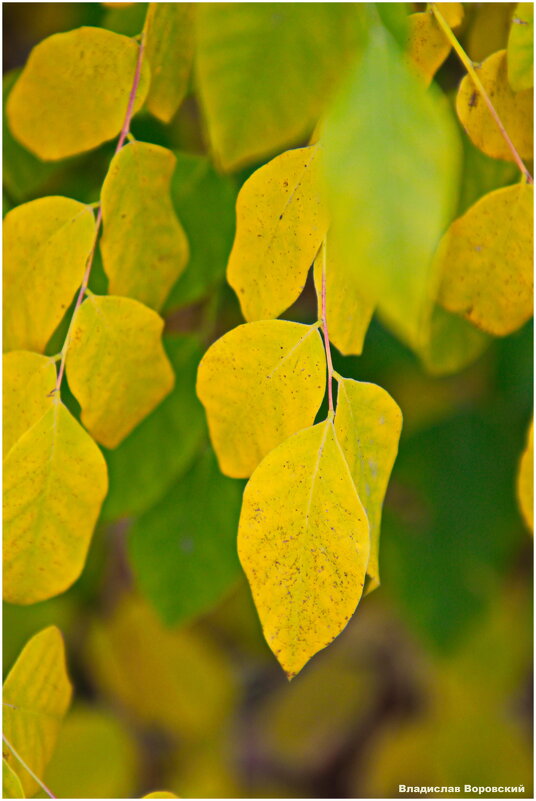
(430, 683)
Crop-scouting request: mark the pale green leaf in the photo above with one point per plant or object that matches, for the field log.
(116, 365)
(37, 693)
(485, 259)
(28, 381)
(169, 46)
(525, 480)
(281, 221)
(303, 541)
(54, 483)
(11, 785)
(260, 383)
(73, 92)
(144, 249)
(390, 159)
(46, 246)
(515, 109)
(368, 424)
(266, 70)
(520, 52)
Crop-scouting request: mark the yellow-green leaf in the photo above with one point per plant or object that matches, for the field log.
(55, 481)
(428, 46)
(368, 424)
(11, 785)
(266, 70)
(46, 246)
(303, 541)
(73, 92)
(116, 365)
(144, 249)
(28, 380)
(453, 343)
(37, 693)
(280, 222)
(161, 794)
(259, 384)
(525, 480)
(485, 259)
(169, 47)
(514, 108)
(348, 312)
(451, 12)
(520, 51)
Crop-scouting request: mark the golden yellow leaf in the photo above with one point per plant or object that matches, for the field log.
(451, 12)
(521, 48)
(368, 424)
(73, 93)
(485, 259)
(46, 246)
(303, 541)
(55, 480)
(161, 794)
(280, 223)
(116, 365)
(428, 46)
(514, 108)
(169, 47)
(37, 693)
(144, 249)
(259, 384)
(28, 381)
(348, 312)
(11, 785)
(525, 480)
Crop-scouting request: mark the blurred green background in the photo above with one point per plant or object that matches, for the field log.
(175, 687)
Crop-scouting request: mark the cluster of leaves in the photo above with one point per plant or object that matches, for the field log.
(381, 225)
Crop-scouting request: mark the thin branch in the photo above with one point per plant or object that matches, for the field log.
(324, 321)
(89, 264)
(17, 756)
(468, 64)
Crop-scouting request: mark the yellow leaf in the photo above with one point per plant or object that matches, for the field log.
(514, 108)
(161, 794)
(368, 424)
(37, 693)
(521, 48)
(260, 383)
(28, 381)
(11, 786)
(485, 259)
(303, 541)
(169, 47)
(428, 46)
(489, 24)
(348, 312)
(280, 223)
(116, 365)
(525, 480)
(73, 93)
(144, 249)
(46, 246)
(451, 12)
(55, 481)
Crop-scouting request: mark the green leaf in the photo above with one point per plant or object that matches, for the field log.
(11, 786)
(205, 203)
(260, 383)
(391, 179)
(281, 221)
(514, 108)
(266, 70)
(54, 483)
(368, 424)
(303, 541)
(453, 343)
(28, 381)
(482, 174)
(46, 246)
(160, 449)
(73, 93)
(183, 551)
(37, 694)
(169, 46)
(143, 247)
(520, 51)
(485, 259)
(116, 365)
(125, 18)
(525, 480)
